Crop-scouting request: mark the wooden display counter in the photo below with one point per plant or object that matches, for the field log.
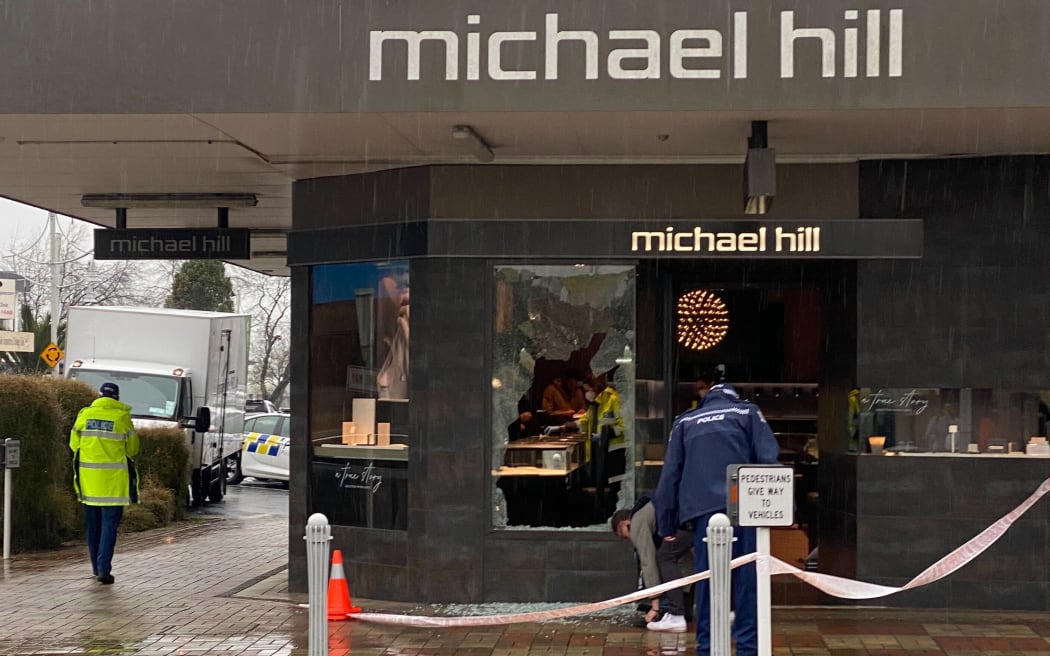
(542, 478)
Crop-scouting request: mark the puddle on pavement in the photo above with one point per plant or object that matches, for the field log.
(393, 641)
(270, 643)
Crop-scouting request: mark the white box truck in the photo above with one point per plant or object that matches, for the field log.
(177, 368)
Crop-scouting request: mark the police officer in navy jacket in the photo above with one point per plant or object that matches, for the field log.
(721, 431)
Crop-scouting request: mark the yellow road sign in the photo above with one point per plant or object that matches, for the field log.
(51, 354)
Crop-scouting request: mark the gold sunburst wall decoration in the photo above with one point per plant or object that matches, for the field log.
(703, 319)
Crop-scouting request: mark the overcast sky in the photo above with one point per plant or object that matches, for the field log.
(22, 225)
(19, 223)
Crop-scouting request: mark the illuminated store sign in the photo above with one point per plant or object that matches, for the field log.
(844, 238)
(804, 239)
(617, 238)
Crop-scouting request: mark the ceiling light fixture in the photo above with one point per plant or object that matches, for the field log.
(703, 320)
(478, 146)
(169, 200)
(760, 171)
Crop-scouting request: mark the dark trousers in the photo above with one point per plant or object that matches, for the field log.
(744, 584)
(667, 556)
(101, 523)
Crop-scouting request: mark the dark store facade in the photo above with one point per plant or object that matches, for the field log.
(489, 210)
(902, 307)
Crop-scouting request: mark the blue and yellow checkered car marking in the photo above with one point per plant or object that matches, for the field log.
(269, 445)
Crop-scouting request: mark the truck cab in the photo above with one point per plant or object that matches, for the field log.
(158, 395)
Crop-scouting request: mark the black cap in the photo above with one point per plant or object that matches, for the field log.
(109, 389)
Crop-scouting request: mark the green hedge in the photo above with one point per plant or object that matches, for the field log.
(40, 411)
(156, 508)
(164, 461)
(44, 511)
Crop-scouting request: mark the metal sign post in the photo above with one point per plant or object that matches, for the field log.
(12, 459)
(762, 496)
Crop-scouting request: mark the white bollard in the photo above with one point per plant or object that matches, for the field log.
(763, 601)
(318, 535)
(719, 553)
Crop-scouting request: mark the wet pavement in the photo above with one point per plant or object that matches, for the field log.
(218, 585)
(174, 592)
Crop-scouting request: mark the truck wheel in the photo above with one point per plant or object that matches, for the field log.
(233, 470)
(217, 488)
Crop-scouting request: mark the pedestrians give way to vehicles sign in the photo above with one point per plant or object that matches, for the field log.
(761, 495)
(51, 354)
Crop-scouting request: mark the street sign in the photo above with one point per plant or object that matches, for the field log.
(21, 282)
(17, 342)
(761, 495)
(12, 453)
(8, 299)
(51, 354)
(12, 456)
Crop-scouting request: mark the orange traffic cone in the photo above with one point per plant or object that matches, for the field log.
(339, 605)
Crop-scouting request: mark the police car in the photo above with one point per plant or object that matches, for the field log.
(264, 451)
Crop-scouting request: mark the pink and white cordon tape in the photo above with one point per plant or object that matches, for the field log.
(832, 585)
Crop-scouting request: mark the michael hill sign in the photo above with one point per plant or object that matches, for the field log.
(366, 56)
(770, 239)
(778, 239)
(867, 43)
(615, 239)
(172, 244)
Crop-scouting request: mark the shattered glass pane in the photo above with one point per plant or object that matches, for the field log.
(553, 320)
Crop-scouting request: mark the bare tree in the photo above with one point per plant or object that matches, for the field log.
(268, 300)
(81, 280)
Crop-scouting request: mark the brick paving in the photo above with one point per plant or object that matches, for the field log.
(220, 588)
(172, 596)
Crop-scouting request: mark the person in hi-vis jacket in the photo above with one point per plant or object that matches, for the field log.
(104, 442)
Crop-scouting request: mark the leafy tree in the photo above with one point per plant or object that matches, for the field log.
(201, 285)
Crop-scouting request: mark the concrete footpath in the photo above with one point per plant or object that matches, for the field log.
(220, 587)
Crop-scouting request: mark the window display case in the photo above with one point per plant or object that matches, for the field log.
(359, 401)
(551, 454)
(953, 421)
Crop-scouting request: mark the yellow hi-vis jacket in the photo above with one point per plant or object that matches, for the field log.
(104, 442)
(603, 411)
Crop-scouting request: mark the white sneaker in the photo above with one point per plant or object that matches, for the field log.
(669, 622)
